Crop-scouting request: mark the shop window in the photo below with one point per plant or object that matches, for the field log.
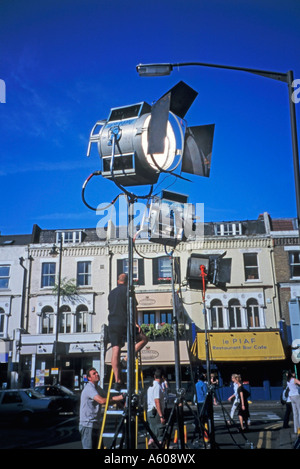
(166, 317)
(149, 317)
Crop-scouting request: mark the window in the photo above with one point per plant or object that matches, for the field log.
(81, 318)
(166, 317)
(2, 317)
(11, 397)
(228, 229)
(48, 274)
(162, 270)
(69, 237)
(135, 269)
(253, 313)
(4, 276)
(65, 318)
(295, 264)
(216, 315)
(47, 320)
(138, 270)
(235, 320)
(149, 317)
(251, 266)
(84, 273)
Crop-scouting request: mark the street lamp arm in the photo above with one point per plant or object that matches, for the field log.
(166, 69)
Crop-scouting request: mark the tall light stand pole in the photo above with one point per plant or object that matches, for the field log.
(162, 69)
(53, 252)
(131, 401)
(179, 391)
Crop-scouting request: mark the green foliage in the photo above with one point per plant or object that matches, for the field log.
(68, 288)
(165, 332)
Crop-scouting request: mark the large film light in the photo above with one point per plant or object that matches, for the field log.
(216, 268)
(138, 142)
(171, 219)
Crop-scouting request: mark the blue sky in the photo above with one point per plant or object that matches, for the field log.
(67, 63)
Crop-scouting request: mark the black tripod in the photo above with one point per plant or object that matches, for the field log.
(131, 412)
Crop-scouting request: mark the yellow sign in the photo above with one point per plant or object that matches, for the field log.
(241, 346)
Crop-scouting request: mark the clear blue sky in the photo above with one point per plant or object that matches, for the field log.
(66, 63)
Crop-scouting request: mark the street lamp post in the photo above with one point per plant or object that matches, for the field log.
(54, 251)
(162, 69)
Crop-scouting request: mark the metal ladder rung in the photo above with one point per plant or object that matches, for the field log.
(111, 435)
(114, 412)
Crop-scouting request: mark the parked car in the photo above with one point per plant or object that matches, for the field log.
(23, 405)
(69, 400)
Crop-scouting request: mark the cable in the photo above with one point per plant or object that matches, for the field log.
(95, 173)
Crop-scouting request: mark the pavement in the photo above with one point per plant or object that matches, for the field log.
(282, 438)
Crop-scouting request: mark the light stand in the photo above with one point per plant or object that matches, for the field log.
(208, 404)
(53, 252)
(131, 400)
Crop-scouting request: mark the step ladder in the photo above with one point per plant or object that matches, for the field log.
(112, 416)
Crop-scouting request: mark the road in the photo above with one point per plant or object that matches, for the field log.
(265, 432)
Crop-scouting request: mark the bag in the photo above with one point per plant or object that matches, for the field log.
(284, 395)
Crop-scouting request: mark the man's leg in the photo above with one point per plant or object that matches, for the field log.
(86, 437)
(115, 363)
(142, 340)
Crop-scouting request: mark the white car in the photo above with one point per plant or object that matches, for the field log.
(25, 404)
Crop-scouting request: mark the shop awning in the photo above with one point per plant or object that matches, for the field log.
(240, 346)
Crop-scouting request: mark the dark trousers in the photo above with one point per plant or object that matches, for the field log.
(288, 411)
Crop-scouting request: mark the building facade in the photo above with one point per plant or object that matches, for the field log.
(57, 333)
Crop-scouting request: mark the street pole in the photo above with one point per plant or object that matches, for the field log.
(166, 68)
(53, 252)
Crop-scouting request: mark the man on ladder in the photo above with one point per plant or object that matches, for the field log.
(117, 327)
(92, 397)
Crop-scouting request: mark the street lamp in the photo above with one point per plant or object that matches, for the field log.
(54, 252)
(162, 69)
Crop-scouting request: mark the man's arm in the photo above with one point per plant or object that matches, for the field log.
(158, 408)
(102, 400)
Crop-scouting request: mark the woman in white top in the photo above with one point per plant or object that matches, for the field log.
(293, 385)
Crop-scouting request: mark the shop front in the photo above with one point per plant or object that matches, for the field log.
(257, 355)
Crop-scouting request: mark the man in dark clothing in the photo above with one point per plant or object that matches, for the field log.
(117, 326)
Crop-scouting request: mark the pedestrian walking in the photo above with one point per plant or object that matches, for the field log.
(234, 398)
(293, 385)
(156, 407)
(243, 406)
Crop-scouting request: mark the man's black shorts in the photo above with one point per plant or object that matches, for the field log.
(118, 334)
